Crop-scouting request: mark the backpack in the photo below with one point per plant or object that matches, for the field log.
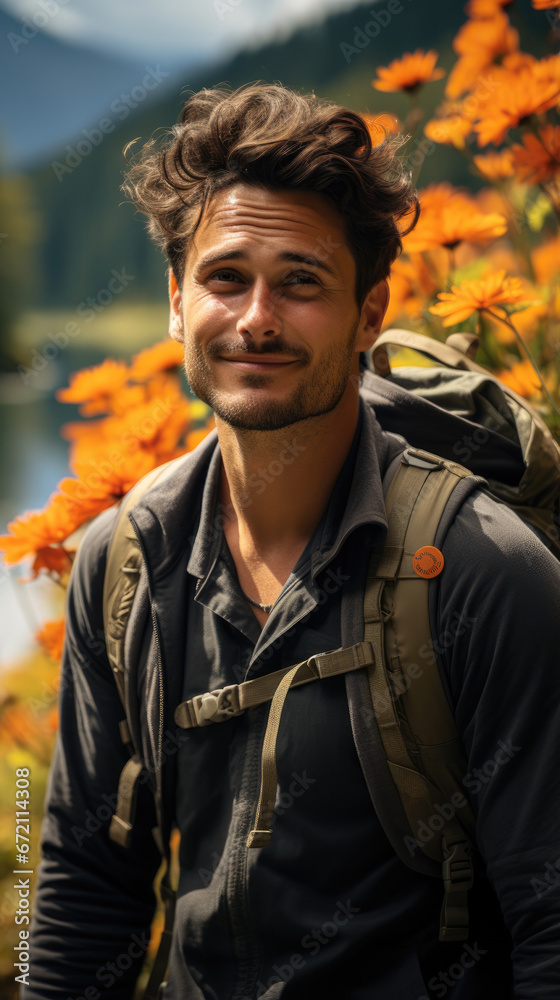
(451, 404)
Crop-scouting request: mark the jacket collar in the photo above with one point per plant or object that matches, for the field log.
(167, 515)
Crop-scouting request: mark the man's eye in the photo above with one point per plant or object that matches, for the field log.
(302, 278)
(225, 276)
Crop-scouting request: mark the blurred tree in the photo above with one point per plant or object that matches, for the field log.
(20, 231)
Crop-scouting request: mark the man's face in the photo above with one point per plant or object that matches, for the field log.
(267, 311)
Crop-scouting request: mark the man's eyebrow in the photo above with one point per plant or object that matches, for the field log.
(207, 260)
(313, 261)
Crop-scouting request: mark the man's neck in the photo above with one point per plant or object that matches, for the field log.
(276, 484)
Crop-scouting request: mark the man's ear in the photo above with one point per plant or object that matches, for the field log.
(176, 330)
(371, 315)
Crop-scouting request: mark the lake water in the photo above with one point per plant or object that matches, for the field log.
(33, 459)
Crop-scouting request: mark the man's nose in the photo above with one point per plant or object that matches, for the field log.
(260, 316)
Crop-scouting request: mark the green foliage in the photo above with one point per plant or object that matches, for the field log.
(20, 232)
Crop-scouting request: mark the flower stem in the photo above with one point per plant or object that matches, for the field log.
(451, 259)
(532, 361)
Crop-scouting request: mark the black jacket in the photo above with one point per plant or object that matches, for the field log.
(94, 900)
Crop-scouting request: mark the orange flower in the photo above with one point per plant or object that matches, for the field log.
(546, 261)
(149, 424)
(537, 161)
(466, 72)
(468, 297)
(521, 378)
(101, 483)
(19, 727)
(447, 217)
(491, 199)
(520, 60)
(549, 68)
(379, 126)
(400, 289)
(526, 320)
(34, 531)
(90, 436)
(529, 91)
(435, 197)
(109, 459)
(66, 510)
(163, 355)
(156, 422)
(495, 166)
(51, 720)
(492, 34)
(451, 131)
(479, 42)
(51, 637)
(554, 307)
(95, 386)
(56, 560)
(409, 72)
(484, 8)
(545, 4)
(411, 284)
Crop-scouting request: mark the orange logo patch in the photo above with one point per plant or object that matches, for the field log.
(428, 562)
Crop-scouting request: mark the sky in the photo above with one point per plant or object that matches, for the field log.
(170, 29)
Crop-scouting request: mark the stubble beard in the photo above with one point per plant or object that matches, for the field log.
(317, 393)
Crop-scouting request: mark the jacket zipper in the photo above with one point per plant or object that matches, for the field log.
(242, 926)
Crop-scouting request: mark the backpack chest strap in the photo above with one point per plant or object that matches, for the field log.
(224, 703)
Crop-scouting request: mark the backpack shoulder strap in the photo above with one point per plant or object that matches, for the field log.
(122, 573)
(422, 747)
(121, 577)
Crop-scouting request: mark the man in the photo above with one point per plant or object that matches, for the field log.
(280, 224)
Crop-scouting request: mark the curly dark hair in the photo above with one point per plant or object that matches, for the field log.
(269, 135)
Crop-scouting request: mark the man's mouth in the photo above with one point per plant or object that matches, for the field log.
(258, 362)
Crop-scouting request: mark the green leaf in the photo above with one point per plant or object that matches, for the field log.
(537, 212)
(519, 306)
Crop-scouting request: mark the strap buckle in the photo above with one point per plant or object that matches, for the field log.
(342, 661)
(217, 705)
(421, 459)
(457, 869)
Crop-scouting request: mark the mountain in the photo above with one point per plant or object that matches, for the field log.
(89, 230)
(51, 89)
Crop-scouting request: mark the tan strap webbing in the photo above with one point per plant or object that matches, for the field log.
(446, 354)
(339, 662)
(224, 703)
(123, 818)
(457, 872)
(261, 834)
